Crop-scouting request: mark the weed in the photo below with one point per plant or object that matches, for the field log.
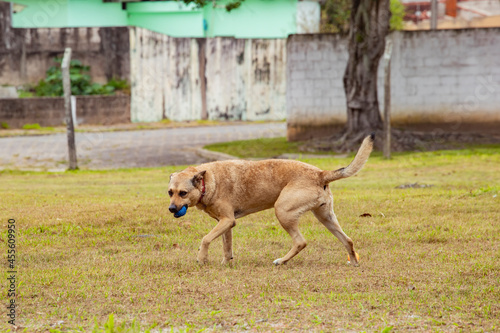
(31, 126)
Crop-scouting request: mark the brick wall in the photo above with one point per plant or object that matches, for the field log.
(49, 111)
(446, 80)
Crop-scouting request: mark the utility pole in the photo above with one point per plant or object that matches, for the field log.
(434, 14)
(70, 129)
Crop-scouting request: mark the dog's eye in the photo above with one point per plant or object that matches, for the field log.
(182, 193)
(170, 193)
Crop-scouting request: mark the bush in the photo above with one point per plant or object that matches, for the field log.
(81, 83)
(31, 126)
(397, 15)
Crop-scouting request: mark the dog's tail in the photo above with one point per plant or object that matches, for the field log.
(355, 166)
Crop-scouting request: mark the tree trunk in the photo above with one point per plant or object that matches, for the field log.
(369, 25)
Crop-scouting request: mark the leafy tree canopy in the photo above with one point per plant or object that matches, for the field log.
(229, 5)
(335, 15)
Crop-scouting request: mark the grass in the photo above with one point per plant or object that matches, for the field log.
(264, 147)
(99, 249)
(37, 127)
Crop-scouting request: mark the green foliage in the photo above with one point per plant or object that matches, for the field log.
(397, 15)
(233, 5)
(31, 126)
(4, 125)
(25, 93)
(229, 5)
(335, 16)
(37, 126)
(81, 83)
(118, 84)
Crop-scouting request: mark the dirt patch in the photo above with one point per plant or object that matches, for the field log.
(402, 141)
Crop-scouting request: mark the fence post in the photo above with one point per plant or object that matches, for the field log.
(387, 99)
(65, 66)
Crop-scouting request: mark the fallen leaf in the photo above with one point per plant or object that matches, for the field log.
(365, 215)
(176, 246)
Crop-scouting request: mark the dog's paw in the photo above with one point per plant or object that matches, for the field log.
(227, 262)
(202, 261)
(353, 264)
(356, 261)
(278, 262)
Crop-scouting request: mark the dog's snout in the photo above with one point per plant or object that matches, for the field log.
(173, 208)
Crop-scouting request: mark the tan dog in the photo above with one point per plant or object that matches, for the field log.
(227, 190)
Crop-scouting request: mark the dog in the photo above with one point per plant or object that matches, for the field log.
(228, 190)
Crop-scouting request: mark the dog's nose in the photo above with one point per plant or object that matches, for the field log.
(173, 208)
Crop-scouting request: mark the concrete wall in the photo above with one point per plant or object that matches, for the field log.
(49, 111)
(26, 54)
(253, 19)
(214, 78)
(447, 80)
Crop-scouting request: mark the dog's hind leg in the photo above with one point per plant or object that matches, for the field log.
(299, 242)
(326, 216)
(227, 245)
(221, 228)
(288, 208)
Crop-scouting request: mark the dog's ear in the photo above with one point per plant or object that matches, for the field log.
(173, 174)
(198, 177)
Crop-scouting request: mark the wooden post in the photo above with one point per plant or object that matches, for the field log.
(387, 99)
(67, 107)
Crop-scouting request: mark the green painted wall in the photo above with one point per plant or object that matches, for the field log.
(96, 13)
(68, 13)
(254, 19)
(171, 18)
(41, 14)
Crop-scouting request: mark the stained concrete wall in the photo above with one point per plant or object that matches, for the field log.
(213, 78)
(445, 80)
(26, 54)
(49, 111)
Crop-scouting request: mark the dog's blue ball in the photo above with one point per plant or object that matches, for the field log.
(181, 212)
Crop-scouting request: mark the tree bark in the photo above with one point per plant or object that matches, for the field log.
(369, 25)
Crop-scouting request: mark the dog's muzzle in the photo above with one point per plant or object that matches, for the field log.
(178, 212)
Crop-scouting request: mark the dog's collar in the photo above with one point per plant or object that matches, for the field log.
(202, 190)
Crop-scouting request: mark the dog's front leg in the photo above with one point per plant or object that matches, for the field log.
(222, 227)
(227, 245)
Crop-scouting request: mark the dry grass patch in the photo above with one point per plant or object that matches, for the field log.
(95, 244)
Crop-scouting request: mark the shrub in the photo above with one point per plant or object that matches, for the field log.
(31, 126)
(81, 83)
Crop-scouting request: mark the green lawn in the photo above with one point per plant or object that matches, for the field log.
(265, 147)
(100, 245)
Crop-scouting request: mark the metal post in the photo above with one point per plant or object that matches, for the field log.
(434, 14)
(67, 107)
(387, 99)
